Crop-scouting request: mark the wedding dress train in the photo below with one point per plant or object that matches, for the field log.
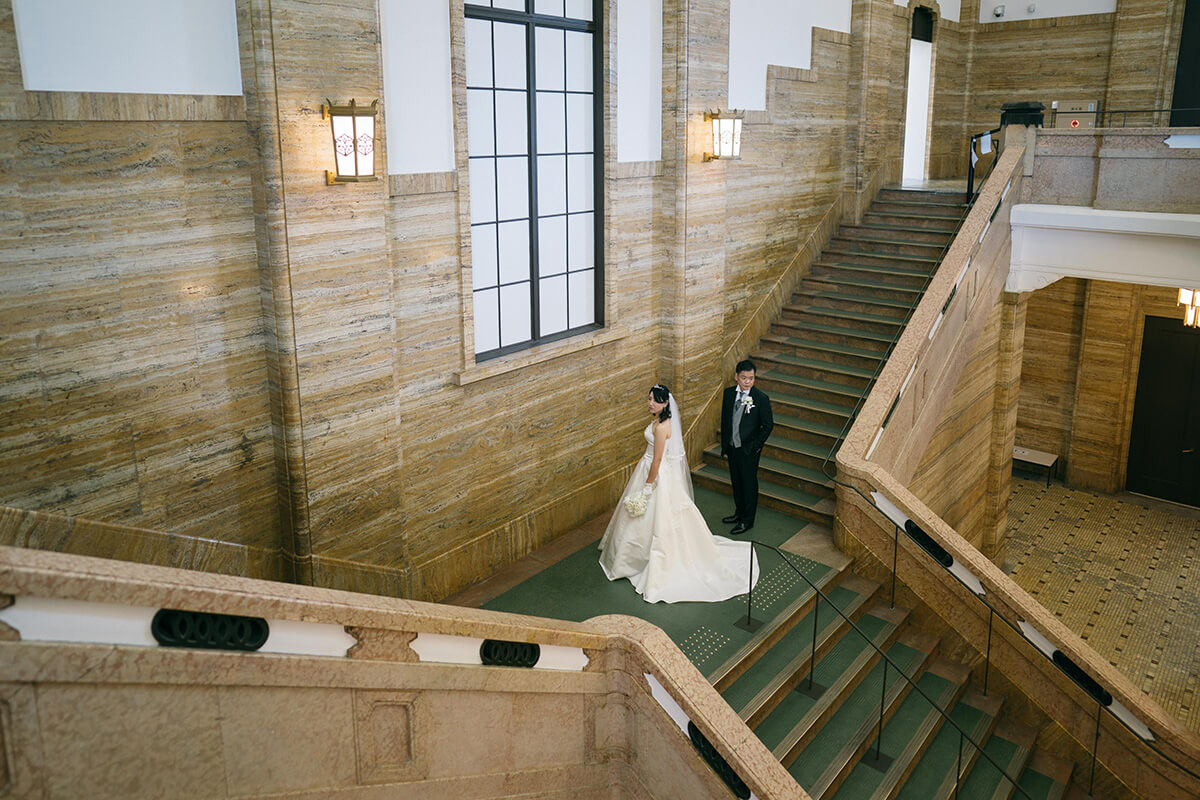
(668, 553)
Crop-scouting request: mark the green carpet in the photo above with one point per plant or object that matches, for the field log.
(576, 589)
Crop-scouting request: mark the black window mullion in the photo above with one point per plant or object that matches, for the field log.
(496, 192)
(597, 163)
(535, 327)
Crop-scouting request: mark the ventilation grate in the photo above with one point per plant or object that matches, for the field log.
(495, 653)
(173, 628)
(718, 764)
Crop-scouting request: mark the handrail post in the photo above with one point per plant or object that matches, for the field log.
(987, 666)
(812, 660)
(895, 548)
(1095, 743)
(750, 623)
(882, 700)
(958, 771)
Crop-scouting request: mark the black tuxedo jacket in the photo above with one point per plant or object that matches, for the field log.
(756, 423)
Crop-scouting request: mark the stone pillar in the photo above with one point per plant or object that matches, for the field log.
(1099, 427)
(1006, 397)
(1145, 46)
(327, 290)
(693, 307)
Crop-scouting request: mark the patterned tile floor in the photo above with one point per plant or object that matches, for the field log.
(1124, 573)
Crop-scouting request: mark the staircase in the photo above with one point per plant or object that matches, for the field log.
(824, 350)
(841, 726)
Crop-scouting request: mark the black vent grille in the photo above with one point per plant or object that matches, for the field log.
(172, 628)
(496, 653)
(718, 764)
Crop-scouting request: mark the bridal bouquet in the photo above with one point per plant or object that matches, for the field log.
(635, 504)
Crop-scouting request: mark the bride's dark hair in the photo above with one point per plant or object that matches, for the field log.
(662, 394)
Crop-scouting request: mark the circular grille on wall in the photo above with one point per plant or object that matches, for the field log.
(173, 628)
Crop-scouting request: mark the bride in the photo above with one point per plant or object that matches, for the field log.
(667, 551)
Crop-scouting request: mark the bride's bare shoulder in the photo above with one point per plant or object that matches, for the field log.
(662, 428)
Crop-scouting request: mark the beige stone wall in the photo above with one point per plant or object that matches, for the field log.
(134, 383)
(317, 413)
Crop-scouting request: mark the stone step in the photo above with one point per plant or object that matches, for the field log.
(898, 231)
(809, 458)
(805, 347)
(834, 414)
(907, 735)
(778, 671)
(1046, 777)
(817, 368)
(862, 287)
(854, 321)
(891, 273)
(879, 306)
(775, 628)
(784, 499)
(948, 198)
(807, 479)
(933, 221)
(792, 724)
(944, 765)
(850, 255)
(1010, 746)
(911, 206)
(773, 381)
(833, 750)
(821, 331)
(889, 245)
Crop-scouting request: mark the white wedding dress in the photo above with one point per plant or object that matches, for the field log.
(668, 553)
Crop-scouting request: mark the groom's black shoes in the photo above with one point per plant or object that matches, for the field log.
(732, 518)
(740, 528)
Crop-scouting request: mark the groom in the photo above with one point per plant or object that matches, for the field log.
(746, 423)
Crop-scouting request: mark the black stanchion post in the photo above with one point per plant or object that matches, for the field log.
(987, 666)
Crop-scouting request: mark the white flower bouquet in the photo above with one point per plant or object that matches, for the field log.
(635, 504)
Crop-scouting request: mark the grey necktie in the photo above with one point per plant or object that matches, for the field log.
(737, 419)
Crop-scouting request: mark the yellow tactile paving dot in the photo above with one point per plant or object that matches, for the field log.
(1123, 575)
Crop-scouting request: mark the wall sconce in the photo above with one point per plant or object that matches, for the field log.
(726, 133)
(353, 128)
(1190, 300)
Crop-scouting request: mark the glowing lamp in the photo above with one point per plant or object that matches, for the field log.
(726, 133)
(353, 128)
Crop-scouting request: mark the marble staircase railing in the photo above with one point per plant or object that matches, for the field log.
(881, 454)
(349, 691)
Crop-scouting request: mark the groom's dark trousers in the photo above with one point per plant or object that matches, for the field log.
(754, 428)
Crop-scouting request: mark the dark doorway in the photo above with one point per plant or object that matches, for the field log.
(1187, 69)
(1164, 443)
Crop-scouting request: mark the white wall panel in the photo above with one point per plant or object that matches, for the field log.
(639, 80)
(763, 32)
(415, 38)
(129, 46)
(1043, 9)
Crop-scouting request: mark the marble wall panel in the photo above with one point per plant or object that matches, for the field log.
(1058, 58)
(132, 327)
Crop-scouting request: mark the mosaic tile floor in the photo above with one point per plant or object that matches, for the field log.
(1123, 573)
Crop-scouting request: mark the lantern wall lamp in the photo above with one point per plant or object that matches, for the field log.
(353, 129)
(1190, 300)
(726, 133)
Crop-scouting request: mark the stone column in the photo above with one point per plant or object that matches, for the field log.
(327, 288)
(1006, 396)
(693, 308)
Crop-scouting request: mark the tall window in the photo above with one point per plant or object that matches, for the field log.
(533, 124)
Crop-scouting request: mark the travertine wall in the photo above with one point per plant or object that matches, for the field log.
(133, 380)
(316, 413)
(1082, 350)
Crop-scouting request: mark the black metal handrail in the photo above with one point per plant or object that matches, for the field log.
(887, 661)
(1100, 115)
(1077, 675)
(972, 154)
